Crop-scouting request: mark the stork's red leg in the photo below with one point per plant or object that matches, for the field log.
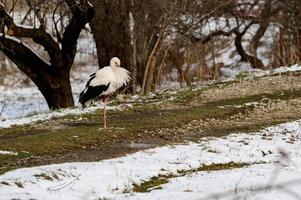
(105, 101)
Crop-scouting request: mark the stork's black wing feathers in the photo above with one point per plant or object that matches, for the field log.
(92, 76)
(91, 92)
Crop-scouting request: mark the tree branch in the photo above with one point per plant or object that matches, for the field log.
(81, 16)
(212, 35)
(55, 22)
(26, 60)
(29, 11)
(36, 12)
(38, 35)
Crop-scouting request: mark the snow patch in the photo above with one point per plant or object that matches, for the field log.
(8, 153)
(273, 150)
(232, 72)
(285, 69)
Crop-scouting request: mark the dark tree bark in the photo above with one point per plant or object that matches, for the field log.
(51, 78)
(110, 28)
(252, 59)
(258, 35)
(299, 43)
(282, 56)
(212, 35)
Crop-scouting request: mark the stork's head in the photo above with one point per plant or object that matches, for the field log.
(115, 62)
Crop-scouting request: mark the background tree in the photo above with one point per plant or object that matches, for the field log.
(134, 31)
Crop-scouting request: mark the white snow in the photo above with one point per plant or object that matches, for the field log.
(274, 155)
(284, 69)
(18, 103)
(8, 153)
(232, 72)
(21, 102)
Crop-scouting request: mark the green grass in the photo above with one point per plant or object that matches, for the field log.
(156, 181)
(153, 183)
(4, 183)
(47, 177)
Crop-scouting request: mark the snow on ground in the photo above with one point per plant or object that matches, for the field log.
(232, 72)
(285, 69)
(8, 153)
(19, 103)
(274, 155)
(52, 114)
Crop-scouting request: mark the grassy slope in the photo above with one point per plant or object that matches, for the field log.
(165, 118)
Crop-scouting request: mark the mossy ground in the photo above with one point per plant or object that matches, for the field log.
(164, 118)
(157, 181)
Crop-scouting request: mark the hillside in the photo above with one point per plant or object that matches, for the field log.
(166, 117)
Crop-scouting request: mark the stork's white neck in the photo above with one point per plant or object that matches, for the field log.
(115, 62)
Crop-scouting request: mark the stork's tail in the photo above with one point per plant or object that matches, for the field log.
(91, 92)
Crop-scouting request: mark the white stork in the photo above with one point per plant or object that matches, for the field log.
(104, 82)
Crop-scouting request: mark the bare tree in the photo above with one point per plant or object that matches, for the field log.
(51, 77)
(241, 12)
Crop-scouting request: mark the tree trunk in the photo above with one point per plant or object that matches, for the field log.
(148, 66)
(3, 69)
(52, 81)
(110, 28)
(58, 95)
(263, 25)
(281, 47)
(258, 35)
(299, 44)
(152, 70)
(134, 68)
(128, 30)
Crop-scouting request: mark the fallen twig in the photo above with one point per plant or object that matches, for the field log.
(2, 109)
(63, 185)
